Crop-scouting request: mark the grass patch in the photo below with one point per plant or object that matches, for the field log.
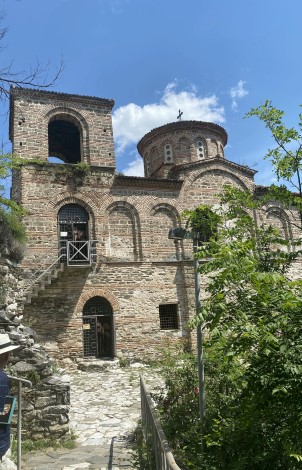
(30, 445)
(124, 362)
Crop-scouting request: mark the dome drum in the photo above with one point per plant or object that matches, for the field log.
(180, 143)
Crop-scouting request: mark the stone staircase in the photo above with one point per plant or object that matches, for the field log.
(43, 279)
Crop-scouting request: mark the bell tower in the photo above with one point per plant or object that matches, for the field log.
(72, 128)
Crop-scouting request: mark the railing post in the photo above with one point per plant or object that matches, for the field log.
(19, 426)
(164, 459)
(19, 423)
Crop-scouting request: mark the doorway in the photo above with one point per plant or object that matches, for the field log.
(98, 331)
(73, 234)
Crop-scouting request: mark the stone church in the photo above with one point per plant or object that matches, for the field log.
(101, 277)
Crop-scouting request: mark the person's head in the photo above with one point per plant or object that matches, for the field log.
(5, 349)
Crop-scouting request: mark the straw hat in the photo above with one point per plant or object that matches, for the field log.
(5, 344)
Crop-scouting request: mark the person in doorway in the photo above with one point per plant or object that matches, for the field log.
(5, 349)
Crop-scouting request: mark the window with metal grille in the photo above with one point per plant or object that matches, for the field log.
(71, 213)
(97, 306)
(168, 317)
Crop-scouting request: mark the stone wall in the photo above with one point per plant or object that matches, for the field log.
(138, 268)
(45, 406)
(32, 110)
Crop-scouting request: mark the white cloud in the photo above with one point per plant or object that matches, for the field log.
(132, 122)
(135, 167)
(238, 92)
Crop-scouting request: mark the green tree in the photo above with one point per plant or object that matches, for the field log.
(11, 228)
(252, 325)
(286, 156)
(254, 322)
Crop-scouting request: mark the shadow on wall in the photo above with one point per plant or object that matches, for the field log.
(52, 313)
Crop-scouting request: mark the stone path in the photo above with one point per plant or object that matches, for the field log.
(105, 409)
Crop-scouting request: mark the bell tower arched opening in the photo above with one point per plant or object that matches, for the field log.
(98, 331)
(64, 141)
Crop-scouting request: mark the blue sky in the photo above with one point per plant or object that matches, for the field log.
(214, 60)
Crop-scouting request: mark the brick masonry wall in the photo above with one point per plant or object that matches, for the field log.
(32, 112)
(183, 147)
(135, 290)
(137, 267)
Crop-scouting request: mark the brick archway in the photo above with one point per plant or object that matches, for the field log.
(94, 293)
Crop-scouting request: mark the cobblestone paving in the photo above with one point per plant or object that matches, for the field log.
(105, 408)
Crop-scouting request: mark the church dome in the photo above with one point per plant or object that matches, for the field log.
(178, 143)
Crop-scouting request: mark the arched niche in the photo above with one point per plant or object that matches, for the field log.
(164, 218)
(278, 218)
(184, 149)
(124, 242)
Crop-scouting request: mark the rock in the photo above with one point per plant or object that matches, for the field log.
(22, 367)
(31, 357)
(4, 269)
(3, 317)
(28, 331)
(59, 379)
(43, 402)
(14, 335)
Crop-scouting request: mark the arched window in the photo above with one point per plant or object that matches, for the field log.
(147, 165)
(200, 149)
(168, 153)
(64, 141)
(73, 235)
(73, 223)
(98, 337)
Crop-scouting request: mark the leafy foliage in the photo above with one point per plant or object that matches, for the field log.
(253, 342)
(178, 405)
(203, 222)
(11, 229)
(286, 157)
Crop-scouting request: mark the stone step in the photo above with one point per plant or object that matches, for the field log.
(95, 364)
(43, 282)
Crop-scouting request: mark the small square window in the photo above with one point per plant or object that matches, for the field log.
(168, 317)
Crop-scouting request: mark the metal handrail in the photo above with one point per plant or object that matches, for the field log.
(33, 275)
(62, 256)
(19, 422)
(150, 423)
(41, 259)
(43, 273)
